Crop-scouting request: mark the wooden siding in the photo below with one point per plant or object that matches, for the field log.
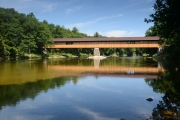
(106, 45)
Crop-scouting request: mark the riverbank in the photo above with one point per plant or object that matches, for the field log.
(68, 55)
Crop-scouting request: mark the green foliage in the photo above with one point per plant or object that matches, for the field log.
(7, 49)
(152, 31)
(127, 51)
(20, 33)
(75, 30)
(61, 32)
(96, 34)
(166, 17)
(166, 25)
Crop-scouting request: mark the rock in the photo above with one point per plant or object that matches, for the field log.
(149, 99)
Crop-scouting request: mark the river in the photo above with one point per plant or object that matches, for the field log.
(87, 89)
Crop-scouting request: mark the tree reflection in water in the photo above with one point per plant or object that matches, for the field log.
(10, 95)
(168, 83)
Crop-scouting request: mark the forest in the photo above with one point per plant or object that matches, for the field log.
(22, 35)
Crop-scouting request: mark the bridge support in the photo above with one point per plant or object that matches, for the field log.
(96, 52)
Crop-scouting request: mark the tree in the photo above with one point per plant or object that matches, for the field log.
(167, 24)
(152, 31)
(75, 30)
(96, 34)
(7, 49)
(43, 37)
(27, 46)
(166, 18)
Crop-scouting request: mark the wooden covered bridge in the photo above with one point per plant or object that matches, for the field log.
(109, 42)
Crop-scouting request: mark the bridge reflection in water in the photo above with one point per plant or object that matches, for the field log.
(97, 70)
(30, 72)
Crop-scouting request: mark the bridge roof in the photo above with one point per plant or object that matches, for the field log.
(155, 38)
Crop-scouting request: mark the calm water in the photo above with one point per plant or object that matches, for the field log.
(86, 89)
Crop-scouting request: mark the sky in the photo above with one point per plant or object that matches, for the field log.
(111, 18)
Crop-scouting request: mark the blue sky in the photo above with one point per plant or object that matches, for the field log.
(112, 18)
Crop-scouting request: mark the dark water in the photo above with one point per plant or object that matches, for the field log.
(86, 89)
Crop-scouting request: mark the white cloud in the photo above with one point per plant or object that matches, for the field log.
(113, 33)
(83, 24)
(116, 33)
(104, 89)
(136, 3)
(148, 1)
(88, 32)
(129, 33)
(145, 10)
(25, 0)
(120, 33)
(70, 10)
(31, 117)
(94, 115)
(74, 97)
(78, 25)
(30, 5)
(120, 15)
(49, 7)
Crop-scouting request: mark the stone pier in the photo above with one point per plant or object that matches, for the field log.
(96, 52)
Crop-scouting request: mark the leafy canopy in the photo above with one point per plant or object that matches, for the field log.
(166, 18)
